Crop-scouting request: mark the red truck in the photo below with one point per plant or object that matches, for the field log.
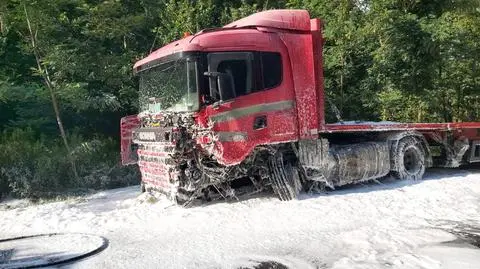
(246, 102)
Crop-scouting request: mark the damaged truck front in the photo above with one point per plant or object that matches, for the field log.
(176, 139)
(241, 109)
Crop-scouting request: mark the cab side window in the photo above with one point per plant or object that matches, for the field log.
(237, 69)
(247, 72)
(271, 64)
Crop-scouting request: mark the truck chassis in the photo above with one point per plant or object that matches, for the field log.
(345, 153)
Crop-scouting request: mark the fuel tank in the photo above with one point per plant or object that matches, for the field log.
(344, 164)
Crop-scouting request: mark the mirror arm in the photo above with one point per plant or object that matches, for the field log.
(213, 74)
(212, 77)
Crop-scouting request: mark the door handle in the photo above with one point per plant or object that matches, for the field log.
(260, 122)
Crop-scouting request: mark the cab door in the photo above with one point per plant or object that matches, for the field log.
(253, 102)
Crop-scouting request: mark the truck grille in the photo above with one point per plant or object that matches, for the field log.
(157, 166)
(155, 150)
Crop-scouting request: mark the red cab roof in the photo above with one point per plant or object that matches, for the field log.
(289, 19)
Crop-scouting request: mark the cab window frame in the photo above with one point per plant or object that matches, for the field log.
(256, 70)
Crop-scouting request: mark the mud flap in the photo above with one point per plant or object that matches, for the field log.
(127, 125)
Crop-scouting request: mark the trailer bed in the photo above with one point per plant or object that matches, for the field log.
(357, 126)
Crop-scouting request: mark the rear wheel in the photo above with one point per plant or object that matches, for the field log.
(409, 159)
(285, 178)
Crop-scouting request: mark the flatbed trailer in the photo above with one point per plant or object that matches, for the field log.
(440, 134)
(472, 128)
(247, 101)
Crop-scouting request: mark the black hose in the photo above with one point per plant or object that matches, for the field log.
(97, 250)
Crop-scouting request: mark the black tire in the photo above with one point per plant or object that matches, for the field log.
(285, 178)
(408, 159)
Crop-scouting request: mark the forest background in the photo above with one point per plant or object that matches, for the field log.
(397, 60)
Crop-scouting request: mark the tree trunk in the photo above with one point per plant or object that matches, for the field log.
(50, 87)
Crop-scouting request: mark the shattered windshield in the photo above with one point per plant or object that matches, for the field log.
(169, 87)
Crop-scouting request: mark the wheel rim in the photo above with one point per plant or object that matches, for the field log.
(411, 161)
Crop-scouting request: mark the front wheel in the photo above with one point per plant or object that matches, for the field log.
(285, 178)
(409, 159)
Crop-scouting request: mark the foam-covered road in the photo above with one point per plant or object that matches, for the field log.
(434, 223)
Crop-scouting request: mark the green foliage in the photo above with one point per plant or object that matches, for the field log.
(32, 166)
(396, 105)
(245, 9)
(184, 16)
(19, 160)
(401, 60)
(396, 60)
